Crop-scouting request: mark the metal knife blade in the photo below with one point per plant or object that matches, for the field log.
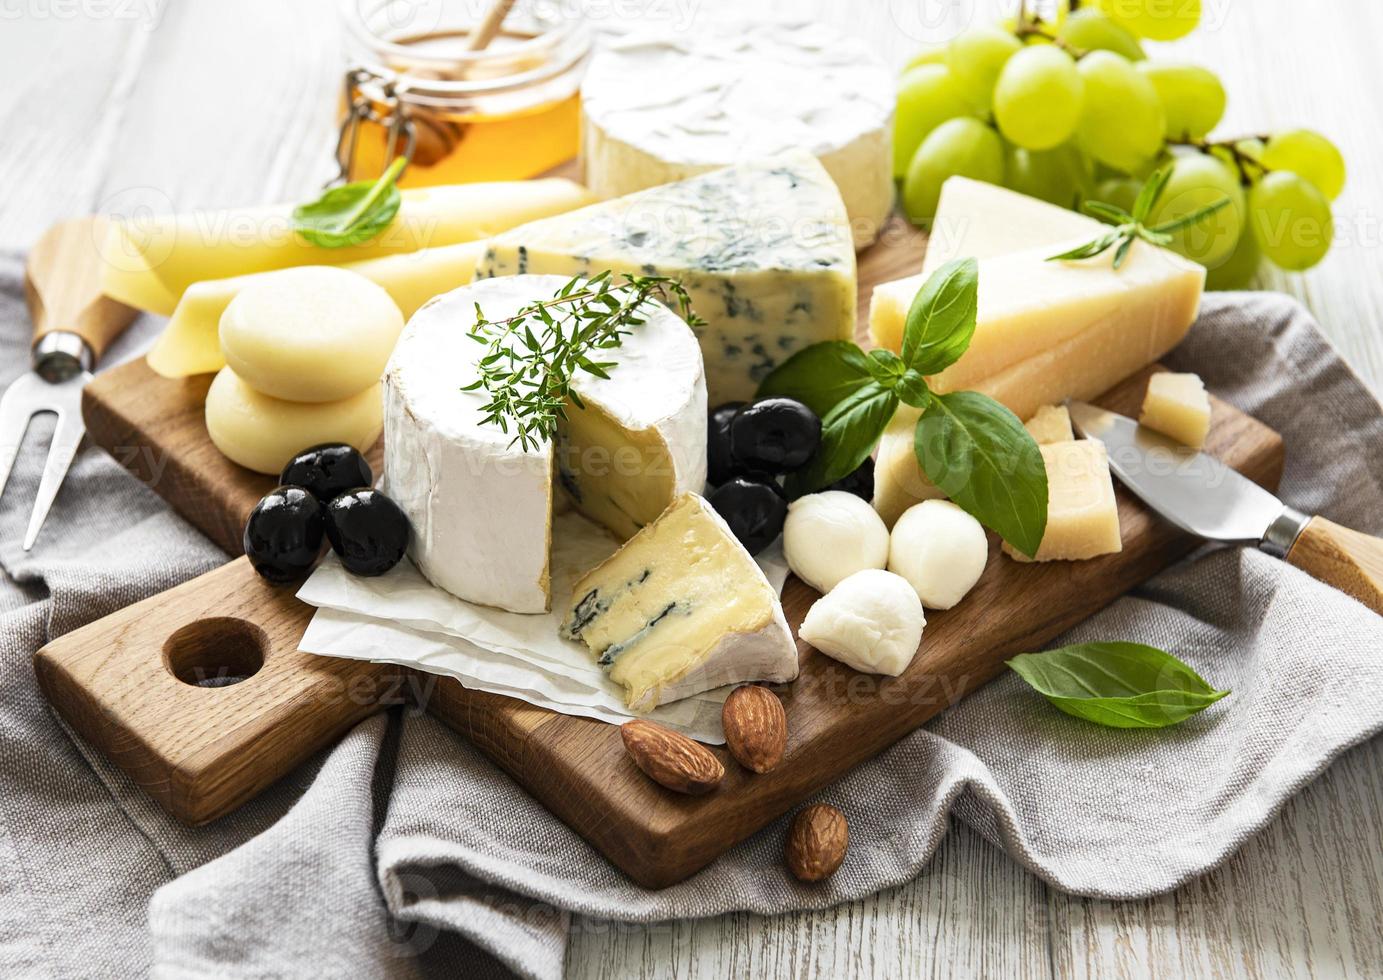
(1193, 490)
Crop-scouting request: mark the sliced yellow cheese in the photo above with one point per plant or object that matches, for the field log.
(1082, 514)
(898, 480)
(188, 345)
(1176, 405)
(1052, 423)
(263, 433)
(150, 264)
(1115, 320)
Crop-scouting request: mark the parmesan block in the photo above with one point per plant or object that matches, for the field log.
(898, 480)
(1052, 423)
(1176, 405)
(762, 249)
(1082, 514)
(658, 107)
(188, 345)
(680, 609)
(263, 433)
(480, 503)
(151, 263)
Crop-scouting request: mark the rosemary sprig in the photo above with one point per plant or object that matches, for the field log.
(532, 356)
(1128, 227)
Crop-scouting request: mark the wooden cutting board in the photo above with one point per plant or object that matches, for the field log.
(201, 695)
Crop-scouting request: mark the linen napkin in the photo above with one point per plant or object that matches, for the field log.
(404, 852)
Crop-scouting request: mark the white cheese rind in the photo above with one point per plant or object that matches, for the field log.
(762, 249)
(481, 508)
(660, 107)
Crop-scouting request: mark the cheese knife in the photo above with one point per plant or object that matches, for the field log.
(1204, 497)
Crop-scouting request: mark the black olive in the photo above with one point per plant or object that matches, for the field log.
(284, 534)
(860, 482)
(720, 465)
(755, 511)
(327, 470)
(778, 435)
(367, 530)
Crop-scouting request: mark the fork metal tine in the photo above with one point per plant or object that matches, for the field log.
(14, 422)
(66, 438)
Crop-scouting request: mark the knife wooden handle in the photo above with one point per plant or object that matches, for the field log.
(62, 281)
(1348, 560)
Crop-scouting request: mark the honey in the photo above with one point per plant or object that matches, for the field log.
(508, 112)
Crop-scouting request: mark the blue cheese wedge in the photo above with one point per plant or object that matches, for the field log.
(680, 609)
(762, 248)
(480, 504)
(659, 106)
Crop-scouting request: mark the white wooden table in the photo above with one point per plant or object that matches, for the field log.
(224, 102)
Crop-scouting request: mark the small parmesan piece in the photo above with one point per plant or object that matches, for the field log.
(1176, 405)
(1082, 514)
(1052, 423)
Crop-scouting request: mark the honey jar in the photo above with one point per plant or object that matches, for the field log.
(415, 88)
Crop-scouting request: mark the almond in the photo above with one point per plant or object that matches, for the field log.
(756, 727)
(671, 759)
(817, 842)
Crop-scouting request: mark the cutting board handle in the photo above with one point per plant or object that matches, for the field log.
(62, 281)
(1348, 560)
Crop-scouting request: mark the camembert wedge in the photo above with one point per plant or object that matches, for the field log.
(480, 504)
(680, 609)
(762, 248)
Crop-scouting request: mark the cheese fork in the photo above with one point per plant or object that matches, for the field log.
(1204, 497)
(73, 325)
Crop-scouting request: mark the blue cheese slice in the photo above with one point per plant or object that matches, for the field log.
(762, 248)
(680, 609)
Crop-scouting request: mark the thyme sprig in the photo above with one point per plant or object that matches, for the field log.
(532, 356)
(1128, 227)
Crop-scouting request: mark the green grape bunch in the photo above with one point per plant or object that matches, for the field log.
(1070, 108)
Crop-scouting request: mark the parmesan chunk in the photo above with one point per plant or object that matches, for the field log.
(1176, 405)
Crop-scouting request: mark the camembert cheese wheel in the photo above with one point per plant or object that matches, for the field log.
(659, 107)
(481, 505)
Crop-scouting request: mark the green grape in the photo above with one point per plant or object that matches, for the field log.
(1037, 100)
(1308, 153)
(1122, 121)
(927, 97)
(976, 58)
(1240, 269)
(1118, 191)
(1089, 30)
(965, 147)
(1291, 220)
(1198, 180)
(1156, 20)
(1062, 176)
(934, 55)
(1192, 97)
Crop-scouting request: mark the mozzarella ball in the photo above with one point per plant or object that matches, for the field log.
(940, 549)
(872, 622)
(829, 536)
(310, 334)
(263, 433)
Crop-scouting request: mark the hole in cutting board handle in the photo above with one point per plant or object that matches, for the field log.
(215, 652)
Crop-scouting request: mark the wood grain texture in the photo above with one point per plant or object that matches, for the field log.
(62, 282)
(1350, 561)
(110, 105)
(154, 687)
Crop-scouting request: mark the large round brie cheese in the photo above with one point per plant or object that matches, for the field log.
(659, 107)
(480, 503)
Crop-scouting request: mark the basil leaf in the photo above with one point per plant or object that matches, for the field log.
(941, 319)
(887, 366)
(849, 432)
(978, 454)
(912, 390)
(820, 376)
(1120, 685)
(351, 214)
